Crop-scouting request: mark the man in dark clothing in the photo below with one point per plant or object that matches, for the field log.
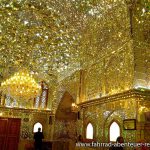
(38, 136)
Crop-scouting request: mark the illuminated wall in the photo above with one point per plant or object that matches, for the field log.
(102, 112)
(112, 75)
(28, 119)
(141, 44)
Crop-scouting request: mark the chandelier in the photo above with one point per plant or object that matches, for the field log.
(21, 86)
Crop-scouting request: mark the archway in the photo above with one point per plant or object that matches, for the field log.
(89, 131)
(36, 126)
(114, 131)
(66, 118)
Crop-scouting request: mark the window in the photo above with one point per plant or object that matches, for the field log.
(36, 126)
(114, 131)
(89, 131)
(8, 101)
(41, 101)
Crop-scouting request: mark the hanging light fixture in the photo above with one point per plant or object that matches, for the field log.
(21, 86)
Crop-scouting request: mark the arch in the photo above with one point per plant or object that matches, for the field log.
(36, 126)
(114, 131)
(60, 96)
(89, 131)
(112, 116)
(64, 109)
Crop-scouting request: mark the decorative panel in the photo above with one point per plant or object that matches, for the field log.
(128, 105)
(65, 130)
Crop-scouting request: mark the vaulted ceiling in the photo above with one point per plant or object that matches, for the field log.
(52, 39)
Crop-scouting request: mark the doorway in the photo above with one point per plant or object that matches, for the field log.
(9, 133)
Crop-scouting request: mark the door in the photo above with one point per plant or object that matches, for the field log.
(3, 131)
(9, 133)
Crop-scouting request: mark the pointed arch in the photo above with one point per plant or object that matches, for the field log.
(114, 131)
(64, 111)
(89, 131)
(36, 126)
(60, 96)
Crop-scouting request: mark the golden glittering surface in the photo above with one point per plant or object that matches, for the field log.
(101, 113)
(51, 36)
(90, 48)
(54, 39)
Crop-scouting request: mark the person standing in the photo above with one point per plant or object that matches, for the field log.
(38, 136)
(80, 139)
